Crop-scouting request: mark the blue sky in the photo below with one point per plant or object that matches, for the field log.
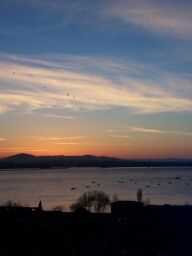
(120, 71)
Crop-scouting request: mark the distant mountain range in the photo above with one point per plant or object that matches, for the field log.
(30, 161)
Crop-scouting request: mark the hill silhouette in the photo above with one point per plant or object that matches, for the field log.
(24, 160)
(20, 158)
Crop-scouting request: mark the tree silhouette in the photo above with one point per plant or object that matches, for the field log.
(93, 201)
(139, 195)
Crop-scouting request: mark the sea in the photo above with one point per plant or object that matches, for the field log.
(62, 187)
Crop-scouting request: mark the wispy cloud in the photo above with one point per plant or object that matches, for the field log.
(2, 139)
(121, 136)
(109, 130)
(90, 144)
(170, 17)
(60, 116)
(68, 143)
(57, 138)
(147, 130)
(157, 131)
(181, 133)
(31, 88)
(122, 130)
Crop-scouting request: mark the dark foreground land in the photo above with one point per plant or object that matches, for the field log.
(131, 229)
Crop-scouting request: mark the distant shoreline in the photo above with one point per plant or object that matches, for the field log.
(23, 161)
(79, 167)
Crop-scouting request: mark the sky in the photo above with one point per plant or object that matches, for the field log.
(100, 77)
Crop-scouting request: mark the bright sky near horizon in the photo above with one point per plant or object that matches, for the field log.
(96, 77)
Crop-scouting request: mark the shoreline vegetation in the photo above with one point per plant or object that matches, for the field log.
(91, 201)
(131, 228)
(25, 161)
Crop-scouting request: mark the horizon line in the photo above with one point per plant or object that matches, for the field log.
(84, 155)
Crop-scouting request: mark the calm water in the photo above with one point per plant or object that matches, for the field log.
(54, 186)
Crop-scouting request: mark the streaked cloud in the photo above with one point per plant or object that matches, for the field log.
(122, 130)
(109, 130)
(57, 138)
(141, 129)
(60, 116)
(181, 133)
(68, 143)
(26, 88)
(156, 131)
(83, 143)
(170, 17)
(2, 139)
(121, 136)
